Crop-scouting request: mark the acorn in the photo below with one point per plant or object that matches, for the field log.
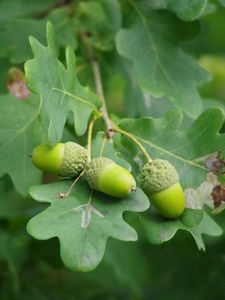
(104, 175)
(66, 160)
(160, 181)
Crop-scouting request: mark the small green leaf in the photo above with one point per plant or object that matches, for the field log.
(83, 221)
(58, 88)
(159, 230)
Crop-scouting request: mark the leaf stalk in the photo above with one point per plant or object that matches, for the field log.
(133, 139)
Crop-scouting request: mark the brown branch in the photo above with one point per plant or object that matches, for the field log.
(98, 81)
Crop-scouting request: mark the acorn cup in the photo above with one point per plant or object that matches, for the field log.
(160, 181)
(66, 160)
(104, 175)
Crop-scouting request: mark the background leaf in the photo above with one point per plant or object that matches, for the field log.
(161, 67)
(185, 9)
(102, 19)
(10, 201)
(19, 8)
(20, 131)
(12, 254)
(17, 48)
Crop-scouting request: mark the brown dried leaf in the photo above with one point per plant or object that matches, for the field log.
(16, 84)
(218, 195)
(197, 198)
(215, 163)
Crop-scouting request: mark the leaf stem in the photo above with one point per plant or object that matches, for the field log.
(64, 195)
(134, 139)
(90, 130)
(98, 82)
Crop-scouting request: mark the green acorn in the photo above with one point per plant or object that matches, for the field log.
(66, 160)
(160, 181)
(104, 175)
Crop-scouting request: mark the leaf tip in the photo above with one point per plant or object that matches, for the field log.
(32, 41)
(70, 59)
(50, 35)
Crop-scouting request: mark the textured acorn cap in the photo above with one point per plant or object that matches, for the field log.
(157, 176)
(74, 160)
(94, 169)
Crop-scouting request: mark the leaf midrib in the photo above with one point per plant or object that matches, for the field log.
(170, 153)
(153, 46)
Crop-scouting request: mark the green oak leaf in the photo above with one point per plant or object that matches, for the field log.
(161, 67)
(58, 88)
(20, 132)
(17, 48)
(187, 10)
(159, 230)
(102, 146)
(83, 221)
(186, 148)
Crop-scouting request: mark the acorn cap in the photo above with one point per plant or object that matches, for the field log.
(94, 169)
(158, 175)
(74, 160)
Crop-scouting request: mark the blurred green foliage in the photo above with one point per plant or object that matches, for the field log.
(31, 269)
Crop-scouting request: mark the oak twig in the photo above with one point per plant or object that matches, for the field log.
(98, 82)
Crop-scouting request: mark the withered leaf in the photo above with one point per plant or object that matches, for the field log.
(218, 195)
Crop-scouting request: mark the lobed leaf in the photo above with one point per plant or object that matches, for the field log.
(197, 222)
(83, 221)
(59, 89)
